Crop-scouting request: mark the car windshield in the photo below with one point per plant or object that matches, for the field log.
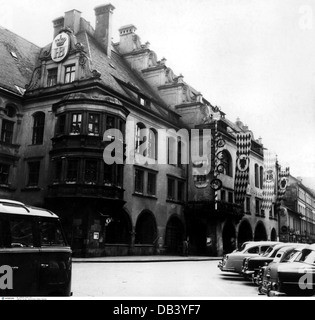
(310, 258)
(290, 255)
(306, 256)
(268, 252)
(241, 248)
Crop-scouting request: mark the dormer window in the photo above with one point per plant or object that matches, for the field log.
(70, 74)
(142, 101)
(14, 55)
(52, 77)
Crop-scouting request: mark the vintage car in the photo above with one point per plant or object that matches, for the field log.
(35, 259)
(293, 275)
(284, 255)
(252, 265)
(233, 262)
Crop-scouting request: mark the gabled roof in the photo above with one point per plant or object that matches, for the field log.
(118, 75)
(18, 59)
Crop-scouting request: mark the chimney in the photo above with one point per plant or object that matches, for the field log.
(127, 39)
(72, 20)
(103, 26)
(58, 25)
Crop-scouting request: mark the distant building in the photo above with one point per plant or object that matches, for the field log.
(57, 102)
(297, 218)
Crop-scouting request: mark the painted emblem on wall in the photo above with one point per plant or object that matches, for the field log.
(60, 47)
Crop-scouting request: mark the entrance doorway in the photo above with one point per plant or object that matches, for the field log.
(229, 237)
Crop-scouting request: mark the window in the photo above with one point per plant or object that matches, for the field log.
(7, 131)
(261, 177)
(247, 204)
(142, 101)
(151, 184)
(94, 124)
(70, 74)
(10, 111)
(140, 137)
(171, 189)
(120, 176)
(231, 197)
(76, 123)
(181, 191)
(52, 77)
(58, 171)
(139, 181)
(90, 171)
(108, 174)
(171, 151)
(152, 147)
(62, 124)
(51, 234)
(227, 163)
(33, 173)
(4, 174)
(179, 153)
(254, 250)
(257, 206)
(21, 232)
(73, 170)
(256, 176)
(223, 195)
(110, 122)
(38, 129)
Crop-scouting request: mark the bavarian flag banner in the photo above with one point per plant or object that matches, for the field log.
(283, 182)
(270, 160)
(244, 144)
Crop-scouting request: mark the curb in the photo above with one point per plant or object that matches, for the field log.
(142, 260)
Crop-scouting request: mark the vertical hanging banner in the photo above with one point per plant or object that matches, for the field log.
(270, 159)
(243, 144)
(283, 182)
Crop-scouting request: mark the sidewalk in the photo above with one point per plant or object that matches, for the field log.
(143, 259)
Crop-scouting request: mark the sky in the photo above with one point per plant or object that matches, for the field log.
(253, 58)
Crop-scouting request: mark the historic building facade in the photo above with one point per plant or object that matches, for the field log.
(57, 102)
(297, 217)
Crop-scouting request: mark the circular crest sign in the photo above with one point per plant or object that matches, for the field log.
(60, 47)
(243, 163)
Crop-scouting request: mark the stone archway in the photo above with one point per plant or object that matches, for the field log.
(260, 232)
(273, 236)
(174, 236)
(118, 230)
(146, 229)
(245, 232)
(229, 237)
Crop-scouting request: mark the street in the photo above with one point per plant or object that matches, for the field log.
(188, 279)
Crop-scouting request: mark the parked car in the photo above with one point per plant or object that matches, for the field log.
(267, 276)
(33, 247)
(252, 265)
(233, 262)
(295, 278)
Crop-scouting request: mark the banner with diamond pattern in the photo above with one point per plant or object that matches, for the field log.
(283, 182)
(270, 160)
(243, 143)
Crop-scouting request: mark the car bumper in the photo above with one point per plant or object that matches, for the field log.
(223, 268)
(248, 273)
(273, 293)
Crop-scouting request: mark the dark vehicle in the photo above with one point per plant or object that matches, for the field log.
(267, 277)
(294, 278)
(251, 266)
(233, 262)
(33, 247)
